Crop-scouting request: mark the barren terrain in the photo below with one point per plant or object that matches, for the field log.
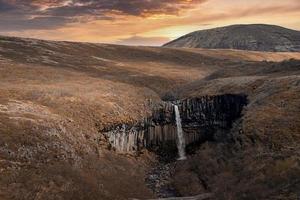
(56, 98)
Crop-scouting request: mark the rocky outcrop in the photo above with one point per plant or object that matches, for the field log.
(205, 118)
(210, 117)
(156, 132)
(255, 37)
(126, 138)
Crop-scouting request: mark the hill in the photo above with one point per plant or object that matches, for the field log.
(255, 37)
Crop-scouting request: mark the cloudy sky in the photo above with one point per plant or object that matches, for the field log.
(137, 22)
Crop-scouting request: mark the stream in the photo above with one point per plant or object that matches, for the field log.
(159, 179)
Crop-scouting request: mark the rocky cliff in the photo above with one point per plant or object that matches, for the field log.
(256, 37)
(203, 118)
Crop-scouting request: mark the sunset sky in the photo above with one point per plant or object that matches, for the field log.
(137, 22)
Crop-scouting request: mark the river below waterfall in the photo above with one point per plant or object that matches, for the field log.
(159, 179)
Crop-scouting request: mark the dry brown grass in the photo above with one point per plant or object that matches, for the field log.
(55, 97)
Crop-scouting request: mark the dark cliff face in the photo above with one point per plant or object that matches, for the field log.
(210, 117)
(256, 37)
(205, 118)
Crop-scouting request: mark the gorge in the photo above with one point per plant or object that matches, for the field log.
(173, 128)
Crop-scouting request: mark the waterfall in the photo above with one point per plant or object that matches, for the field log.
(180, 136)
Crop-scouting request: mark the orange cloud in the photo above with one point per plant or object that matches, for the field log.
(144, 22)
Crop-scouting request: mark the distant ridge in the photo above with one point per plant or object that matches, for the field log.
(255, 37)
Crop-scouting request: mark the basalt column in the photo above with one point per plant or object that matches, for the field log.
(210, 117)
(203, 118)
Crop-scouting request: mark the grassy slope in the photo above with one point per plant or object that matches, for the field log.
(55, 97)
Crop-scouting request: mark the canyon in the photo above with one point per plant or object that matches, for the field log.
(98, 121)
